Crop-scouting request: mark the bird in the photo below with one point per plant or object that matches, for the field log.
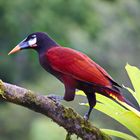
(74, 69)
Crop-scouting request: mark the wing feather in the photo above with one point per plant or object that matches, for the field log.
(77, 65)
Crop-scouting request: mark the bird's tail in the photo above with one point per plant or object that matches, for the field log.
(117, 96)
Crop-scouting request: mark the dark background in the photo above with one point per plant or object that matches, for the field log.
(108, 31)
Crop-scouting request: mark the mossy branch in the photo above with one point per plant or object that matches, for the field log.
(63, 116)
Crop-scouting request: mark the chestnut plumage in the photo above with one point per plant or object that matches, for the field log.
(73, 68)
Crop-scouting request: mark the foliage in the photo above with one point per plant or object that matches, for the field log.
(118, 134)
(97, 28)
(134, 75)
(119, 113)
(106, 30)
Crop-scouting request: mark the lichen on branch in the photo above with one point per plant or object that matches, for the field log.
(63, 116)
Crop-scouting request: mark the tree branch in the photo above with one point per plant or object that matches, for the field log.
(63, 116)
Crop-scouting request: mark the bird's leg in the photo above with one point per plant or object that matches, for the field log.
(87, 114)
(69, 95)
(69, 84)
(92, 102)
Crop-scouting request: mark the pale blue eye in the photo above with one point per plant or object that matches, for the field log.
(32, 41)
(33, 36)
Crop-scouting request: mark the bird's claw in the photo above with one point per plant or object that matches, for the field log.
(86, 116)
(55, 98)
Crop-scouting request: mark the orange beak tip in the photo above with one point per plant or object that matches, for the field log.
(16, 49)
(9, 53)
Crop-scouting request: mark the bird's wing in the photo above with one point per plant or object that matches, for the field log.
(77, 65)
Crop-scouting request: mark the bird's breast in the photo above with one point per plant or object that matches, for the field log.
(44, 62)
(47, 66)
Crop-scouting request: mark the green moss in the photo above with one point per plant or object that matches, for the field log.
(69, 113)
(86, 126)
(105, 136)
(31, 97)
(2, 89)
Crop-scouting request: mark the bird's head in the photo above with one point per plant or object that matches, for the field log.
(37, 41)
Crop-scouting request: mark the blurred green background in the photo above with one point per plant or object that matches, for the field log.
(106, 30)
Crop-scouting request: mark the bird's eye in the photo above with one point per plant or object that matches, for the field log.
(33, 36)
(32, 40)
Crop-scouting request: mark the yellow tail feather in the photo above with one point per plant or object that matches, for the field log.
(135, 111)
(120, 99)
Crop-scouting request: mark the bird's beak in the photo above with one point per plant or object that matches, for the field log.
(16, 49)
(20, 46)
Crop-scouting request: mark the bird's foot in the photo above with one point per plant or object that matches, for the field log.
(86, 116)
(55, 98)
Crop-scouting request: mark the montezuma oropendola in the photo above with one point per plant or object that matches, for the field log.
(73, 68)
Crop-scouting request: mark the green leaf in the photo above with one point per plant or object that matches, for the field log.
(80, 92)
(118, 134)
(107, 106)
(134, 75)
(120, 114)
(123, 116)
(131, 91)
